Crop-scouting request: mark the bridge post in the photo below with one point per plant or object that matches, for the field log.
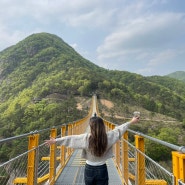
(140, 160)
(75, 126)
(69, 133)
(178, 160)
(118, 153)
(31, 170)
(125, 171)
(109, 126)
(112, 127)
(52, 164)
(63, 148)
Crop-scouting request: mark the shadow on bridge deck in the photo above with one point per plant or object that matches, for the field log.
(73, 173)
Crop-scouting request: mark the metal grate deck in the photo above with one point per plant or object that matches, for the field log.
(73, 173)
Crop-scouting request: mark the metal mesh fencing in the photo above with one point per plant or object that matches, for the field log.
(15, 170)
(132, 164)
(16, 167)
(43, 164)
(156, 171)
(150, 169)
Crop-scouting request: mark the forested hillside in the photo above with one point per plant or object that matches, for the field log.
(179, 75)
(42, 79)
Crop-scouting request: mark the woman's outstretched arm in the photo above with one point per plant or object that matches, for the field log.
(72, 141)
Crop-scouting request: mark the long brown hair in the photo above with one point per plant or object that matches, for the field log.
(98, 137)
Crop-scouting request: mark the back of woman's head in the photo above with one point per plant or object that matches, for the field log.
(98, 137)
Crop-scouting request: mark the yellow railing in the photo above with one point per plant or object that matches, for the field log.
(76, 128)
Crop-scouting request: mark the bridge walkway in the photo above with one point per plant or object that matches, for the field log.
(73, 173)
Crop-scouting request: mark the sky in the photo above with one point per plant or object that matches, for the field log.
(146, 37)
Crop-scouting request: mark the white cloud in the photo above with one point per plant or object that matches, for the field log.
(9, 39)
(83, 52)
(74, 45)
(146, 32)
(150, 38)
(162, 58)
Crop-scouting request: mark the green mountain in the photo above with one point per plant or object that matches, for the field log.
(43, 65)
(179, 75)
(43, 79)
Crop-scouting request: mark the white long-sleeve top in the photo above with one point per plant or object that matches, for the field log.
(82, 142)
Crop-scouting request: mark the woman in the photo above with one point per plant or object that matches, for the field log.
(97, 147)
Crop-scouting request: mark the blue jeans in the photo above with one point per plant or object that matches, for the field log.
(96, 175)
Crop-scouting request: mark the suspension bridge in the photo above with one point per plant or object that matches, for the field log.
(56, 165)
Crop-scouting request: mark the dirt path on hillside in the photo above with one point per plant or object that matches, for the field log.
(107, 103)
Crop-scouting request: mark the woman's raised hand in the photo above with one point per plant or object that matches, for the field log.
(135, 119)
(50, 142)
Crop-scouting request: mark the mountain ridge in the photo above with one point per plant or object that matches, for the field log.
(179, 75)
(43, 64)
(43, 79)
